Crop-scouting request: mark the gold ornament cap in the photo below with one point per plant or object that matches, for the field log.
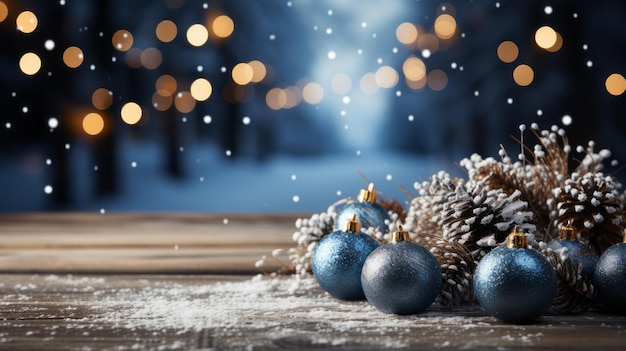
(400, 235)
(367, 195)
(568, 232)
(517, 239)
(353, 225)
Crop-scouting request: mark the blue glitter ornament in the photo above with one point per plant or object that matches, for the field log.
(401, 277)
(515, 284)
(338, 259)
(610, 277)
(367, 210)
(578, 251)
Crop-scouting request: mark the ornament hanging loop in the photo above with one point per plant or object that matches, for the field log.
(568, 232)
(517, 239)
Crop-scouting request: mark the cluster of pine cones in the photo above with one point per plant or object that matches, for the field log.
(460, 220)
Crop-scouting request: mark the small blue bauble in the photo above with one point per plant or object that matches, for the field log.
(515, 284)
(338, 260)
(610, 277)
(401, 278)
(369, 213)
(578, 252)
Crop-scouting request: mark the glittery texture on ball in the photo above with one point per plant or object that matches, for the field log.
(401, 278)
(337, 262)
(578, 252)
(370, 214)
(610, 277)
(515, 285)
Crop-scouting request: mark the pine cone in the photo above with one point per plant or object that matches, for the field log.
(481, 218)
(457, 270)
(574, 292)
(424, 215)
(595, 206)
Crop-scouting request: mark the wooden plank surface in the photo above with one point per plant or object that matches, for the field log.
(182, 312)
(140, 243)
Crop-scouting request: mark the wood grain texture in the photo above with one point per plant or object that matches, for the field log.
(140, 243)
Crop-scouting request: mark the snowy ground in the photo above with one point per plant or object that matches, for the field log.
(215, 183)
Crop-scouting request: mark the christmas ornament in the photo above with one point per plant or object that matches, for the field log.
(514, 283)
(577, 251)
(368, 211)
(338, 259)
(401, 277)
(610, 276)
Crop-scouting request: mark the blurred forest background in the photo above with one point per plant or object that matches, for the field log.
(265, 105)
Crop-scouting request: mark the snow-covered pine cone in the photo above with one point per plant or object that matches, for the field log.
(310, 232)
(574, 292)
(480, 218)
(594, 204)
(424, 214)
(457, 271)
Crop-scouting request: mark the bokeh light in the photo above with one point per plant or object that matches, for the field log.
(122, 40)
(4, 11)
(133, 58)
(151, 58)
(73, 57)
(201, 89)
(414, 69)
(259, 71)
(276, 98)
(615, 84)
(30, 63)
(93, 123)
(545, 37)
(166, 85)
(166, 31)
(445, 26)
(386, 77)
(341, 83)
(437, 79)
(242, 73)
(312, 93)
(406, 33)
(523, 75)
(26, 22)
(131, 113)
(368, 83)
(161, 102)
(197, 35)
(102, 98)
(508, 51)
(223, 26)
(184, 102)
(557, 45)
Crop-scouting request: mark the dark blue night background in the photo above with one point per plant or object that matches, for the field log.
(237, 152)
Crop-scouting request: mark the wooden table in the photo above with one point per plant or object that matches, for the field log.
(187, 281)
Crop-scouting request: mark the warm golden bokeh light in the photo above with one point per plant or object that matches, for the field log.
(184, 102)
(341, 83)
(406, 33)
(73, 57)
(557, 45)
(93, 123)
(102, 98)
(242, 73)
(416, 84)
(161, 102)
(523, 75)
(312, 93)
(294, 96)
(615, 84)
(26, 22)
(223, 26)
(166, 85)
(437, 80)
(201, 89)
(133, 58)
(545, 37)
(276, 98)
(122, 40)
(30, 63)
(445, 26)
(428, 42)
(151, 58)
(166, 31)
(368, 83)
(508, 51)
(131, 113)
(4, 11)
(197, 35)
(414, 69)
(258, 71)
(386, 77)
